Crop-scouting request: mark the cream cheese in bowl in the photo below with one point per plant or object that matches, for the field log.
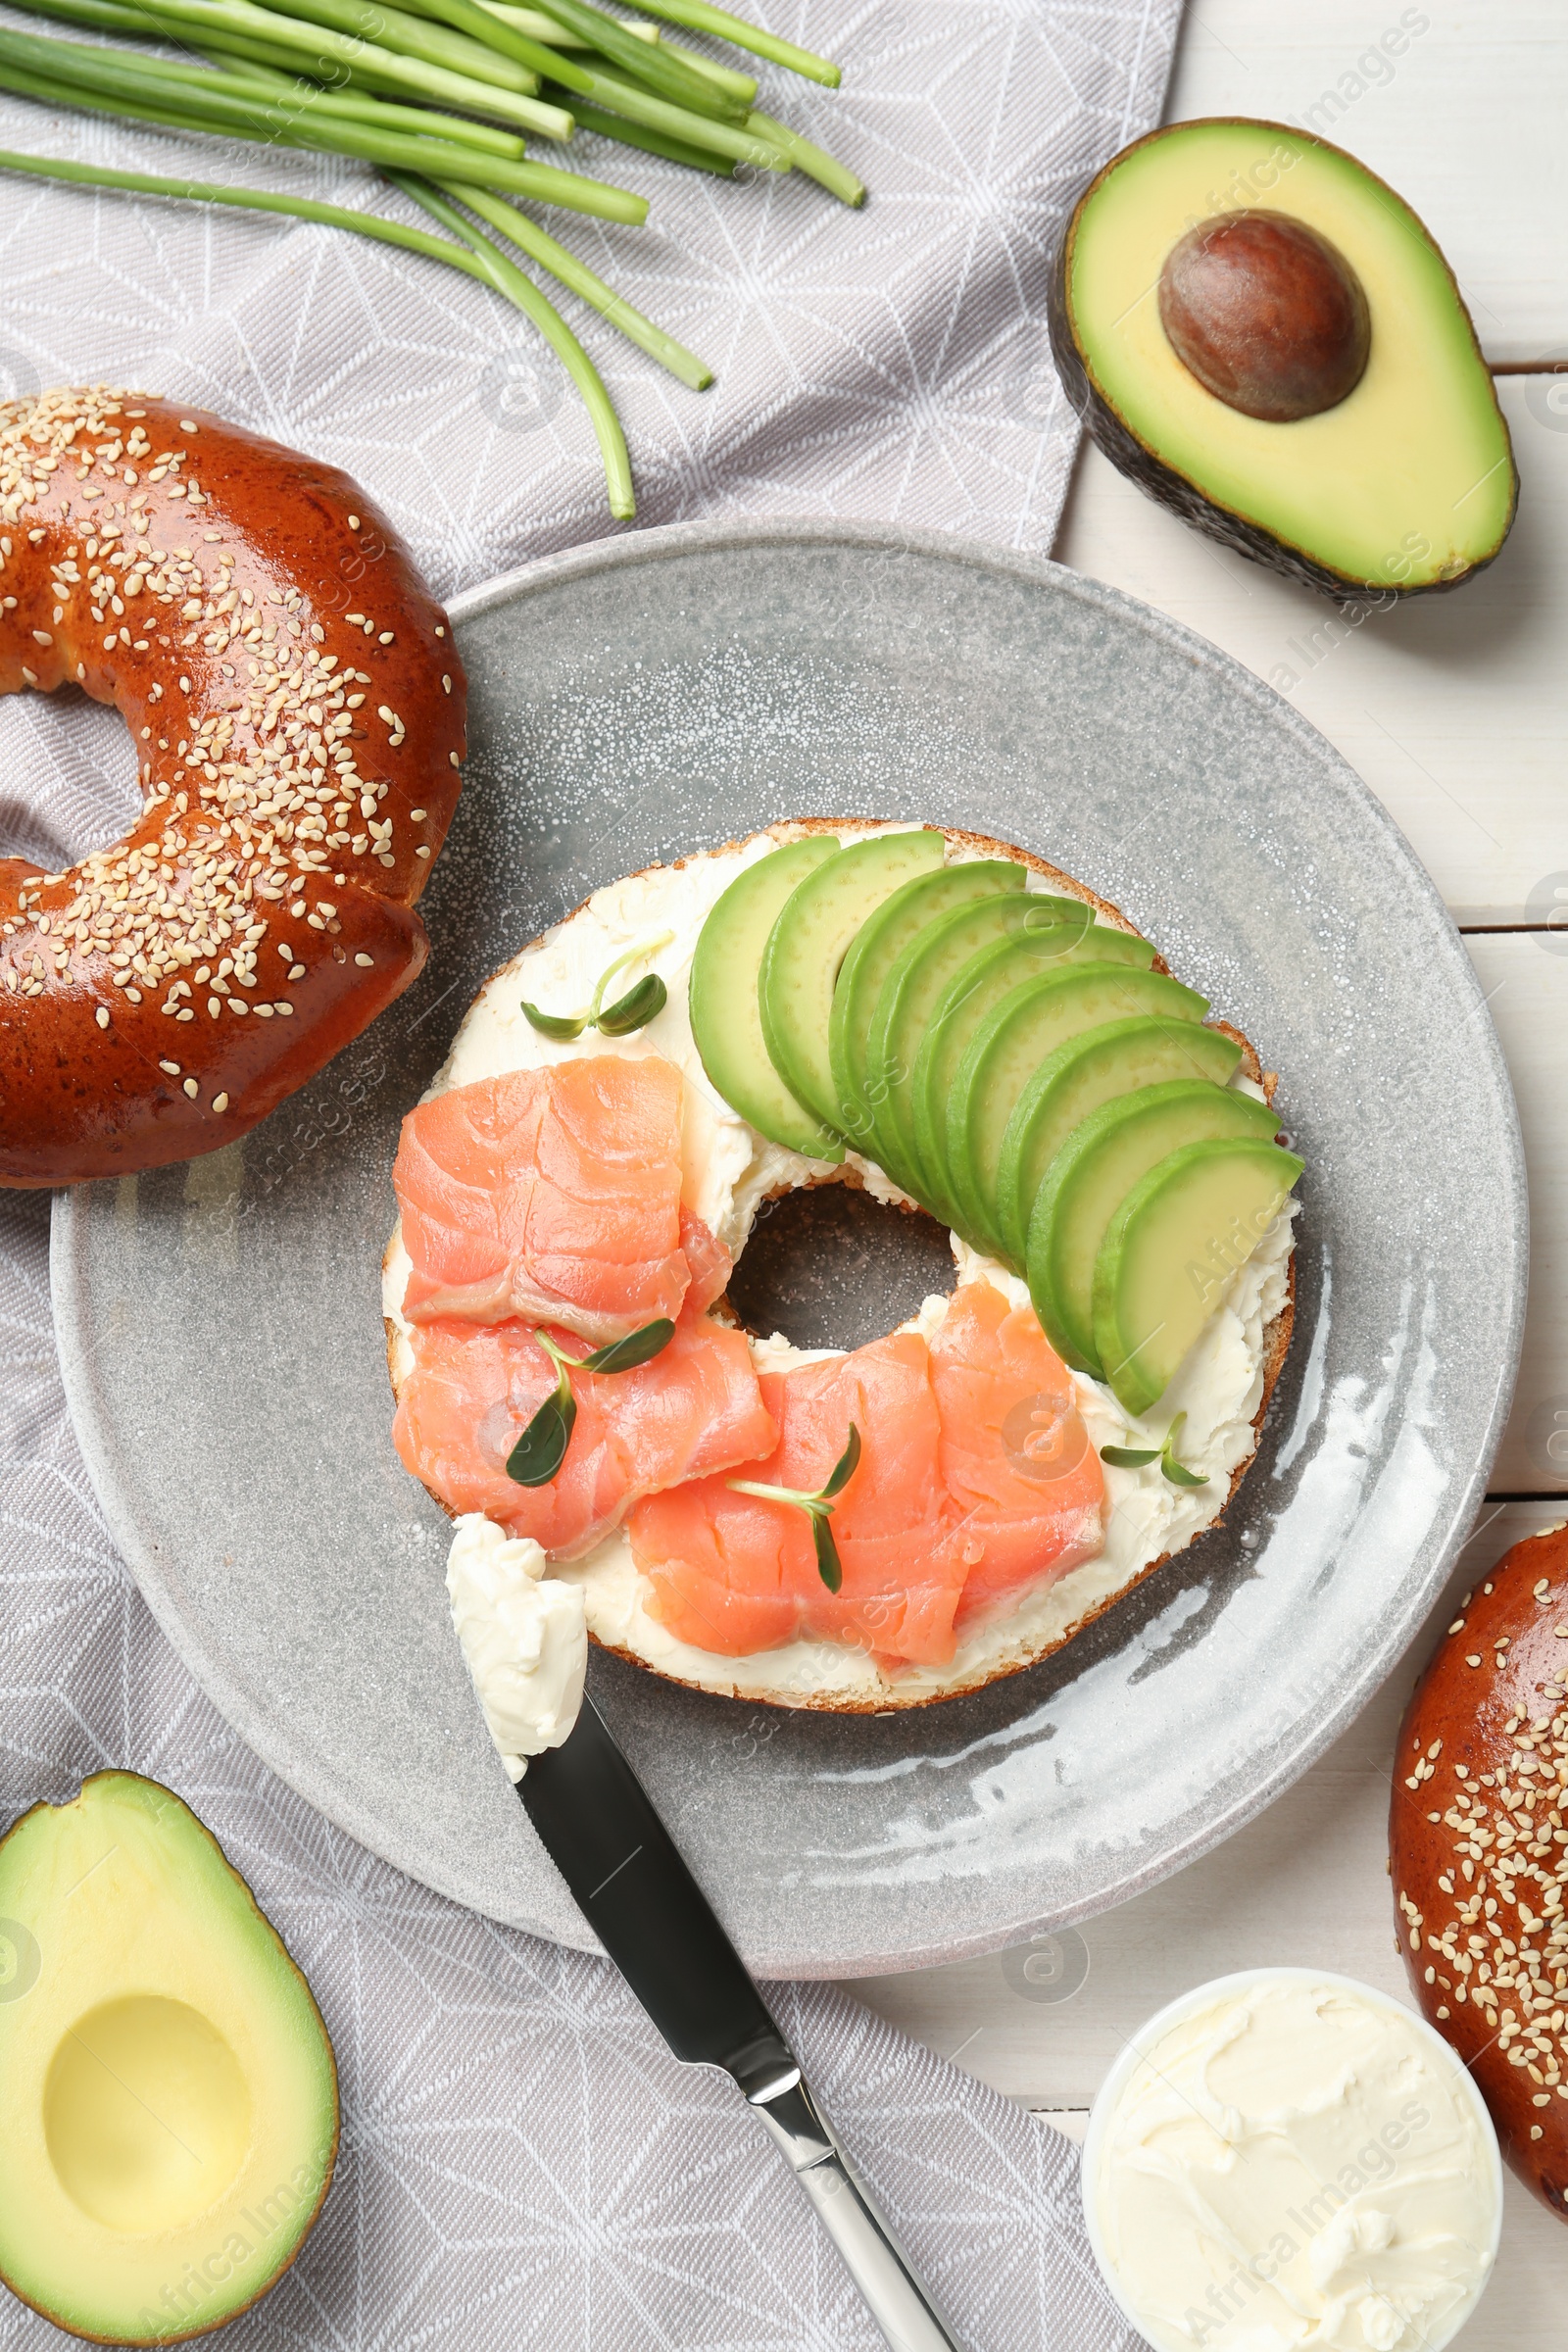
(1286, 2159)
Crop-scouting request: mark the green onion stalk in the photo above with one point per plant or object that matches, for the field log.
(476, 256)
(113, 81)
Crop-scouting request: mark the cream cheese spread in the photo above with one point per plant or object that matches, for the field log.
(523, 1634)
(729, 1170)
(1289, 2161)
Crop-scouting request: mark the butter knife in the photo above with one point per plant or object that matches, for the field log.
(598, 1823)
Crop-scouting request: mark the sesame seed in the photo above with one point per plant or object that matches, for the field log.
(188, 424)
(219, 1102)
(453, 757)
(365, 962)
(172, 1068)
(423, 850)
(101, 1016)
(417, 815)
(354, 522)
(192, 1089)
(1472, 1660)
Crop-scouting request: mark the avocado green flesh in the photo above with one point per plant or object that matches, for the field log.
(975, 992)
(874, 949)
(912, 990)
(1088, 1178)
(1170, 1252)
(725, 1009)
(1409, 481)
(169, 2089)
(808, 944)
(1082, 1074)
(1031, 1023)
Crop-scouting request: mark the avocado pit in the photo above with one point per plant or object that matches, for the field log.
(1266, 314)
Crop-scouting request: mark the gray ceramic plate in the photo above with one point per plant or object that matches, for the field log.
(219, 1322)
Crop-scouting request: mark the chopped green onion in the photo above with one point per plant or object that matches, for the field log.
(741, 145)
(814, 162)
(741, 86)
(510, 281)
(654, 64)
(352, 106)
(652, 142)
(437, 159)
(476, 258)
(698, 17)
(582, 281)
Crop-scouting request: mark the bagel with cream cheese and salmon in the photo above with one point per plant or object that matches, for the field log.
(965, 1032)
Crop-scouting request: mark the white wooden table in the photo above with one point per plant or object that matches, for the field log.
(1456, 712)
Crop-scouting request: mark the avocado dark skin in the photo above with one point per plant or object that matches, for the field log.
(1133, 456)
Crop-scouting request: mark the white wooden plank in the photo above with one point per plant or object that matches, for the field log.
(1444, 119)
(1453, 709)
(1524, 976)
(1306, 1882)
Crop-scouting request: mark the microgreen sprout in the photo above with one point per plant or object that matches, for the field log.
(641, 1004)
(542, 1447)
(1134, 1457)
(818, 1507)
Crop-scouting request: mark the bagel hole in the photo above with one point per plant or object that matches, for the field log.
(831, 1267)
(79, 790)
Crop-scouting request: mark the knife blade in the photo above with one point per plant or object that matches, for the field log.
(630, 1881)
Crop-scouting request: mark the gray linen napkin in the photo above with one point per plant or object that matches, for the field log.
(522, 2162)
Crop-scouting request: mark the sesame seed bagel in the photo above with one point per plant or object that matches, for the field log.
(834, 1677)
(297, 707)
(1477, 1851)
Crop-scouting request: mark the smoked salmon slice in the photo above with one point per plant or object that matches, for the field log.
(554, 1194)
(976, 1476)
(693, 1408)
(1016, 1459)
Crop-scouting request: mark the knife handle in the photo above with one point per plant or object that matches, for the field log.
(872, 2255)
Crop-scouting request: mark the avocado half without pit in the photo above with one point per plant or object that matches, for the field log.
(168, 2085)
(1258, 332)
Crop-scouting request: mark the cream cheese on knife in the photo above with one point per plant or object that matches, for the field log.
(523, 1634)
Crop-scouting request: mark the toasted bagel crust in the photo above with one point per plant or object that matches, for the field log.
(297, 706)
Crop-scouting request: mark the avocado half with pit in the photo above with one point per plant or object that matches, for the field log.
(1262, 336)
(168, 2085)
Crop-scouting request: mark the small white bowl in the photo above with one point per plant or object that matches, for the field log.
(1200, 1998)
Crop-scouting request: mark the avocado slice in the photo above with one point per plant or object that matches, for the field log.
(722, 997)
(1169, 1254)
(873, 951)
(1088, 1178)
(913, 987)
(809, 942)
(169, 2089)
(978, 988)
(1082, 1074)
(978, 1083)
(1052, 927)
(1210, 343)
